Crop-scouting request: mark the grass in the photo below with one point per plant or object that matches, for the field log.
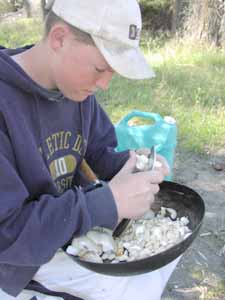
(216, 292)
(21, 32)
(210, 287)
(189, 86)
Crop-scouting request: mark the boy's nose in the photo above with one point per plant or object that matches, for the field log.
(104, 80)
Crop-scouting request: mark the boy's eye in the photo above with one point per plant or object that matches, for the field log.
(99, 70)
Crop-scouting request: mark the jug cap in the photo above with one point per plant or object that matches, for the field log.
(169, 120)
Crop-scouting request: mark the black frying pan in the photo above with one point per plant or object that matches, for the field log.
(187, 203)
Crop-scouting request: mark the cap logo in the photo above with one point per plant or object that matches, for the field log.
(134, 32)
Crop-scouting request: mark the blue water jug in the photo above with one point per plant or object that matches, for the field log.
(162, 133)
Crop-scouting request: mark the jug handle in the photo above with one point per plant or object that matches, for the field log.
(142, 114)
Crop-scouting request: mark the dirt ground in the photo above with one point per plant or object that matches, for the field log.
(200, 275)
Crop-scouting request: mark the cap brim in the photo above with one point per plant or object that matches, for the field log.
(128, 62)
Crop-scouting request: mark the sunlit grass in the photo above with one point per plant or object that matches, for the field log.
(20, 32)
(189, 86)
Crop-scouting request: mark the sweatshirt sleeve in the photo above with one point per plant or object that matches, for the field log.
(101, 153)
(32, 231)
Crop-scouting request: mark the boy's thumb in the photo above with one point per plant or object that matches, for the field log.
(129, 166)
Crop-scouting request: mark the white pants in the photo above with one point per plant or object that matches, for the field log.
(62, 274)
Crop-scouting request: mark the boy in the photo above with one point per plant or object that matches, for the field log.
(49, 122)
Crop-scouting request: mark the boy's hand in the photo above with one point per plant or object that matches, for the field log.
(134, 192)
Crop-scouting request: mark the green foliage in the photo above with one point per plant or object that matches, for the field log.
(5, 7)
(18, 3)
(155, 4)
(156, 14)
(21, 32)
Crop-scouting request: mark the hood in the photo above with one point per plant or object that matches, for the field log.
(12, 74)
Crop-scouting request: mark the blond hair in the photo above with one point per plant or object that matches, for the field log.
(51, 19)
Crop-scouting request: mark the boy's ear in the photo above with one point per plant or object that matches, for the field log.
(57, 36)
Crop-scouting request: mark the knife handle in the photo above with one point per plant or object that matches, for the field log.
(87, 171)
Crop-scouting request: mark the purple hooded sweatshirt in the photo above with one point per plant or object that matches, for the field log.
(43, 138)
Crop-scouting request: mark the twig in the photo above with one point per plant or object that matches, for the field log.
(205, 234)
(202, 255)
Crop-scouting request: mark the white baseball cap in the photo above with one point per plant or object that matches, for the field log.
(115, 27)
